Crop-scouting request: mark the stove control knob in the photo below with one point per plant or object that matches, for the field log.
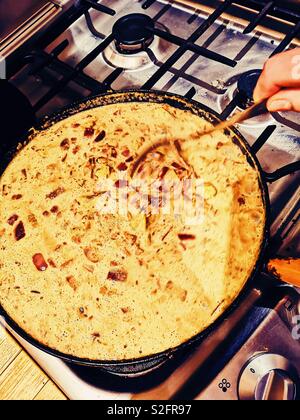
(276, 386)
(268, 377)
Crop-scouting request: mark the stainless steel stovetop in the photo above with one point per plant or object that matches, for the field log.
(267, 329)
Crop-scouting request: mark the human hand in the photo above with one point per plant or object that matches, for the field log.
(280, 81)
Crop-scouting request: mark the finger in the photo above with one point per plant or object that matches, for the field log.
(266, 87)
(285, 100)
(281, 71)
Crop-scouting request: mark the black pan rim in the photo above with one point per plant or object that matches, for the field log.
(88, 103)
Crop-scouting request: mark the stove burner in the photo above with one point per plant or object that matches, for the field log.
(131, 54)
(239, 96)
(246, 85)
(133, 33)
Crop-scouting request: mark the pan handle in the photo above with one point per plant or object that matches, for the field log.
(282, 172)
(287, 270)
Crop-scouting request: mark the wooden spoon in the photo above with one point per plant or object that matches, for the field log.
(255, 110)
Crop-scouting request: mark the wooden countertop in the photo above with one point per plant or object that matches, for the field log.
(20, 377)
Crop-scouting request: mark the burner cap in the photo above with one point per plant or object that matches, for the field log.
(133, 33)
(246, 85)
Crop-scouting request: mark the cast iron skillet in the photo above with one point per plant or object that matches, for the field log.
(145, 363)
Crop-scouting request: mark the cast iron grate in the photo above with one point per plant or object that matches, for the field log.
(76, 74)
(83, 7)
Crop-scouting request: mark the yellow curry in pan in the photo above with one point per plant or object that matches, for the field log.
(110, 286)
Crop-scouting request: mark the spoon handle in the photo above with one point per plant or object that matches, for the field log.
(254, 111)
(258, 109)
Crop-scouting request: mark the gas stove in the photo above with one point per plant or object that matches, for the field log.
(211, 51)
